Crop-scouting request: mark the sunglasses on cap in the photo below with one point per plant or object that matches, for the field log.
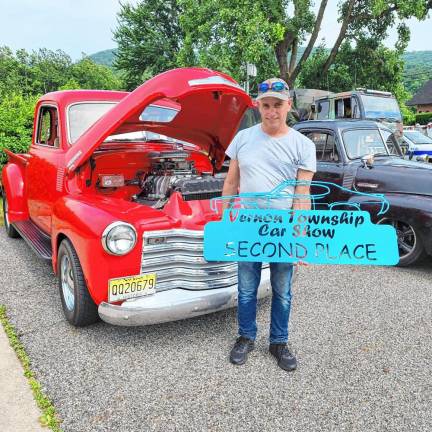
(276, 86)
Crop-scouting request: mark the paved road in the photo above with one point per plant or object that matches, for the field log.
(362, 336)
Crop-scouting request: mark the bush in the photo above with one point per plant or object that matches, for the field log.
(16, 123)
(407, 114)
(423, 118)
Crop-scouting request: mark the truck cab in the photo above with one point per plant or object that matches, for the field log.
(362, 104)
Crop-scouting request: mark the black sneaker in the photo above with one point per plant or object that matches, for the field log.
(240, 350)
(285, 359)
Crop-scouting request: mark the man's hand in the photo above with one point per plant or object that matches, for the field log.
(231, 183)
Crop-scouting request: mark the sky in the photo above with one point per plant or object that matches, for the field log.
(85, 26)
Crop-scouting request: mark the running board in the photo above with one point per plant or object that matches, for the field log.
(35, 237)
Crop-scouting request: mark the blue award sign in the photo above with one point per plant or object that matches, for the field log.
(312, 236)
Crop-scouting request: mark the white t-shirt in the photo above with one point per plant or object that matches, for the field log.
(265, 161)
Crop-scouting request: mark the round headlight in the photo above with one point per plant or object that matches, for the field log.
(119, 238)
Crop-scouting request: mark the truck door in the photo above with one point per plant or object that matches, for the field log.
(41, 171)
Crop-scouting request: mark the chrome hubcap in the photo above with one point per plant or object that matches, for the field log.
(67, 282)
(406, 237)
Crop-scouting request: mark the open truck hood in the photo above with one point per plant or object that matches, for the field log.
(208, 107)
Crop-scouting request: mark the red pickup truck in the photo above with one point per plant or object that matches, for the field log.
(115, 192)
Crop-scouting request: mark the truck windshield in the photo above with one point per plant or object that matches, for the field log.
(83, 115)
(361, 142)
(378, 107)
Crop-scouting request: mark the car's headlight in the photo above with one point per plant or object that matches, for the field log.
(119, 238)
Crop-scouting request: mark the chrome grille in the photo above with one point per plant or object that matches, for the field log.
(179, 263)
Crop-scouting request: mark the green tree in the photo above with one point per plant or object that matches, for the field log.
(149, 38)
(220, 28)
(368, 63)
(9, 71)
(24, 76)
(48, 69)
(225, 35)
(89, 75)
(16, 123)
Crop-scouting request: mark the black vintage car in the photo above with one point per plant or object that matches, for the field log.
(361, 156)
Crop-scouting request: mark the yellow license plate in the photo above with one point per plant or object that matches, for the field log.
(131, 287)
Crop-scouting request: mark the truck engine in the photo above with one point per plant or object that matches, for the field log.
(175, 172)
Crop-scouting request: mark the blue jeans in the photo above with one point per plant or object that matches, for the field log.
(249, 276)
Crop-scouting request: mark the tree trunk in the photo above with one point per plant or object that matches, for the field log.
(341, 37)
(281, 51)
(312, 41)
(293, 58)
(292, 62)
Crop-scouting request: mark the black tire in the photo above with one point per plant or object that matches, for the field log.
(78, 307)
(410, 244)
(10, 230)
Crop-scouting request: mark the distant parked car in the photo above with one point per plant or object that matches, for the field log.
(362, 156)
(417, 145)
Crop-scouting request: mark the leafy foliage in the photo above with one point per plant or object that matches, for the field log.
(423, 118)
(418, 69)
(25, 76)
(417, 66)
(89, 75)
(149, 38)
(368, 64)
(43, 71)
(225, 35)
(16, 123)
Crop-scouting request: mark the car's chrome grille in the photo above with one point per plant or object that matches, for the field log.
(179, 263)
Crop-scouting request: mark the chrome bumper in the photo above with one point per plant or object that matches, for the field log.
(176, 304)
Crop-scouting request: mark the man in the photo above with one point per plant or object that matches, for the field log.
(262, 157)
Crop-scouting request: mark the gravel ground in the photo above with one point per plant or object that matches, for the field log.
(362, 337)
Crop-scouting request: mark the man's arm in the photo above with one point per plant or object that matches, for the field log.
(232, 181)
(303, 203)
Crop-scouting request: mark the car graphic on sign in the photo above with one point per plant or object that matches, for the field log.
(283, 195)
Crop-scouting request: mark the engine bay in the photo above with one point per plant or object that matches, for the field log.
(158, 174)
(174, 172)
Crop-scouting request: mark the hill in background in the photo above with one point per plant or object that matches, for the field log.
(105, 57)
(418, 66)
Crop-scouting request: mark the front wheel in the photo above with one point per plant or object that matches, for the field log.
(410, 245)
(78, 307)
(10, 230)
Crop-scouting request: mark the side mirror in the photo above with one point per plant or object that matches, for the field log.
(367, 161)
(313, 108)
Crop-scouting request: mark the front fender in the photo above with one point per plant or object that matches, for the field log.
(83, 222)
(13, 186)
(414, 210)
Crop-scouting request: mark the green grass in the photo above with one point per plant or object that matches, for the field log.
(1, 215)
(49, 417)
